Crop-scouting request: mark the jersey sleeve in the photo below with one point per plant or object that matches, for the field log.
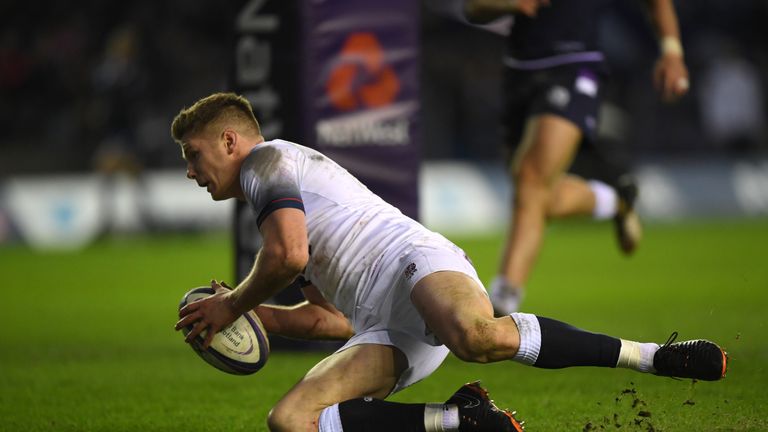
(270, 180)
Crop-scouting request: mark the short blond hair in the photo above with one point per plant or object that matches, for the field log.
(212, 109)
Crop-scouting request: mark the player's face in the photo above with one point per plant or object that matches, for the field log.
(211, 165)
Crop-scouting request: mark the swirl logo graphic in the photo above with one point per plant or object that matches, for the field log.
(362, 78)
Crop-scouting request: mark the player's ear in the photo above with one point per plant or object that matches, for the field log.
(230, 140)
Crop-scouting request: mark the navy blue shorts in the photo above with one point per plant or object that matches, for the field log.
(572, 91)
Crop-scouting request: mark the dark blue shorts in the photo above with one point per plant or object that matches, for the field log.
(572, 91)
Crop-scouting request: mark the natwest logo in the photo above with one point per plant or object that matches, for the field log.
(362, 78)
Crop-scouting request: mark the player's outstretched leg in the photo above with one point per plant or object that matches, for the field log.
(551, 344)
(457, 310)
(468, 410)
(573, 196)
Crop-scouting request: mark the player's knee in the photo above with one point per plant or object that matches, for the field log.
(527, 174)
(529, 177)
(283, 417)
(276, 420)
(475, 342)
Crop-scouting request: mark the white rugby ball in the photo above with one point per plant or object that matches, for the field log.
(242, 348)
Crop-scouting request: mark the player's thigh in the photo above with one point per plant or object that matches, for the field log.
(361, 370)
(548, 147)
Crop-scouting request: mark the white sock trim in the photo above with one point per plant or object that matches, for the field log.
(451, 418)
(530, 338)
(434, 417)
(330, 420)
(606, 200)
(637, 356)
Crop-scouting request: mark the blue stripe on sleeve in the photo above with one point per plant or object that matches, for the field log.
(279, 203)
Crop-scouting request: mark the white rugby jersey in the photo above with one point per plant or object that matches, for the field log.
(353, 233)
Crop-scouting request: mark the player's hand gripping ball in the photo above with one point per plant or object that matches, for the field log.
(242, 348)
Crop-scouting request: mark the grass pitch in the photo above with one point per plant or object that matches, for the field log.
(86, 339)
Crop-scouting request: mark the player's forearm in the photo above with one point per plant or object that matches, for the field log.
(271, 273)
(665, 21)
(304, 321)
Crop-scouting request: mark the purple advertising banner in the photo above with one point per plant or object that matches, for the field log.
(340, 76)
(362, 92)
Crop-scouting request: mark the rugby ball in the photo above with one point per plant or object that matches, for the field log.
(242, 348)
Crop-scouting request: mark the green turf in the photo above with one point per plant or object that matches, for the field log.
(86, 339)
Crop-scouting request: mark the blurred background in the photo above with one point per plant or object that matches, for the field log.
(101, 233)
(89, 89)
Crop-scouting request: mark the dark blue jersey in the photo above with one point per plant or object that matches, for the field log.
(563, 29)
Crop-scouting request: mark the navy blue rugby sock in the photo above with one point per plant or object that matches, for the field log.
(563, 345)
(376, 415)
(552, 344)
